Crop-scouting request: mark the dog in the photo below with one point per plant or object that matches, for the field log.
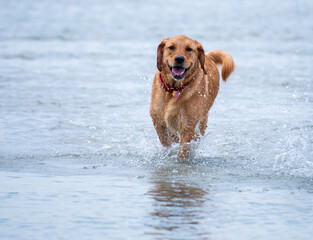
(184, 88)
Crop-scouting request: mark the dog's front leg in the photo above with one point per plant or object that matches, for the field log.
(162, 132)
(185, 138)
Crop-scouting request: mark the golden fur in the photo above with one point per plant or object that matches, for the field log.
(178, 119)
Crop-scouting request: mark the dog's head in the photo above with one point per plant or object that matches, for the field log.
(178, 55)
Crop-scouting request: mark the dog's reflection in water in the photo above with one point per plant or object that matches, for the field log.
(177, 208)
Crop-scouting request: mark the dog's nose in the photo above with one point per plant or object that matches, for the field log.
(179, 59)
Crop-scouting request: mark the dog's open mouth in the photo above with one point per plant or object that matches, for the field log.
(178, 73)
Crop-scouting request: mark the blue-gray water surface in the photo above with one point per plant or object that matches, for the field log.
(80, 159)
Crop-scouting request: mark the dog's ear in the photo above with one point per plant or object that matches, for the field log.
(201, 56)
(160, 54)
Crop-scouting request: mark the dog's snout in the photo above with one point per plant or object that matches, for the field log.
(179, 59)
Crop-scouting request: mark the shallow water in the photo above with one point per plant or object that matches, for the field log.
(79, 157)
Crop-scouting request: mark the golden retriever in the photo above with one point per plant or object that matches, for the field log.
(184, 89)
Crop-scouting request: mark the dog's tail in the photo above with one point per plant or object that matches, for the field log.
(223, 58)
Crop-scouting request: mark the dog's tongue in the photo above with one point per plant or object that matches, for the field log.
(178, 71)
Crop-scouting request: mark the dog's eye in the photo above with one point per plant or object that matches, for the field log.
(188, 49)
(171, 48)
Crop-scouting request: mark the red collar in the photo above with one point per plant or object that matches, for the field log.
(174, 91)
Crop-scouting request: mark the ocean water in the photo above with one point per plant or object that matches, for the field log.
(80, 159)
